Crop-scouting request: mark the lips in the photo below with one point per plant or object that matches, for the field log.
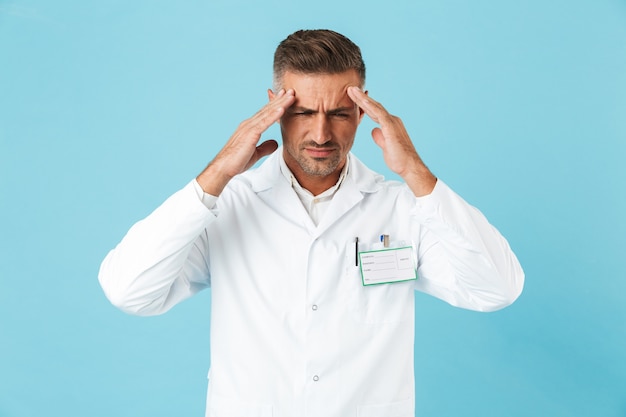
(320, 152)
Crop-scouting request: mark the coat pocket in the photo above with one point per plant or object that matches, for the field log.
(376, 304)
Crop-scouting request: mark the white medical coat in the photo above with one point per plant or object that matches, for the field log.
(294, 333)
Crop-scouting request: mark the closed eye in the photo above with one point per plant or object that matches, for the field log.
(301, 112)
(341, 113)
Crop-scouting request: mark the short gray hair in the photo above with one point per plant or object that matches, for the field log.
(319, 51)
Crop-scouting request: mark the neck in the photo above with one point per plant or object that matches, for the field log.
(316, 185)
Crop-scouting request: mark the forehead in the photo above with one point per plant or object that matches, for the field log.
(327, 89)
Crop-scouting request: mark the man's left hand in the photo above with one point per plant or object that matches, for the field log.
(398, 150)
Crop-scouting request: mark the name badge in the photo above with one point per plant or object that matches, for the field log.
(387, 265)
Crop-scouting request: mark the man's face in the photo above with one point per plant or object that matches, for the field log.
(318, 129)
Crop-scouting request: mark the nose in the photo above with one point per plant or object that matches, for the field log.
(321, 129)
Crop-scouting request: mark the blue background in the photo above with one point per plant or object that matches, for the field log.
(106, 108)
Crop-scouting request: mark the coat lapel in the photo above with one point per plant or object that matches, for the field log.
(275, 190)
(271, 186)
(359, 181)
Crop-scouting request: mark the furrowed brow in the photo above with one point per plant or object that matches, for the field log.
(300, 109)
(340, 110)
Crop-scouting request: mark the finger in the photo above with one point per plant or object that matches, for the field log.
(371, 107)
(266, 148)
(273, 111)
(262, 150)
(357, 95)
(379, 138)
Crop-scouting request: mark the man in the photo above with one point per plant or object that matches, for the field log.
(290, 248)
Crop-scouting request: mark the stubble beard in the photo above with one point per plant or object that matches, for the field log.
(316, 167)
(319, 167)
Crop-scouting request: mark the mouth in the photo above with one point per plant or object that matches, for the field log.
(319, 152)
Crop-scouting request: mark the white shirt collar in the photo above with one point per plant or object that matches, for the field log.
(304, 192)
(315, 206)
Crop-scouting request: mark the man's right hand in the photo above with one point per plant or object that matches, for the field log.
(241, 150)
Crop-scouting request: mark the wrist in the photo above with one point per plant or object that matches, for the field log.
(213, 180)
(421, 181)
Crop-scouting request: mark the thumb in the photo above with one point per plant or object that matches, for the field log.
(266, 148)
(377, 135)
(262, 150)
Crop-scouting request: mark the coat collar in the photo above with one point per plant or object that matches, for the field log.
(275, 190)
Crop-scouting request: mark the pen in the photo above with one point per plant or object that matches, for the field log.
(356, 251)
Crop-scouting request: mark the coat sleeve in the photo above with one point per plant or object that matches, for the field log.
(462, 259)
(162, 260)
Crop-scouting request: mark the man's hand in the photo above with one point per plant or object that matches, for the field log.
(398, 150)
(241, 150)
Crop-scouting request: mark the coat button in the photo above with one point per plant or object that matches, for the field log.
(316, 378)
(314, 307)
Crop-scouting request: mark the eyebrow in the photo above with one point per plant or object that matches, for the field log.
(338, 110)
